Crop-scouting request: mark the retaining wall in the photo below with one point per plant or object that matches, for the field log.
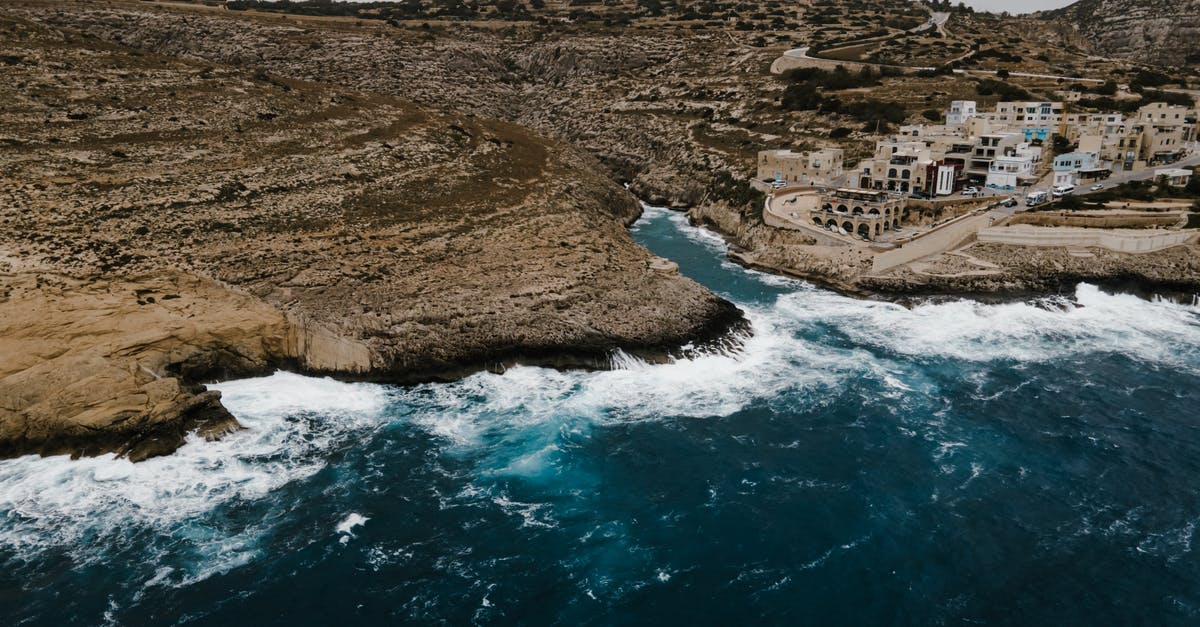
(1119, 240)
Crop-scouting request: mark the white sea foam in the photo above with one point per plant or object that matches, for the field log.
(523, 416)
(523, 419)
(56, 502)
(1024, 331)
(345, 529)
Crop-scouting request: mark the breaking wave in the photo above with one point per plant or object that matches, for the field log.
(292, 422)
(811, 349)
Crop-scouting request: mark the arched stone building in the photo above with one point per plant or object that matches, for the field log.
(862, 212)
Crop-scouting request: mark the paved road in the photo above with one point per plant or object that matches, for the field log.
(936, 20)
(802, 53)
(1029, 75)
(1140, 175)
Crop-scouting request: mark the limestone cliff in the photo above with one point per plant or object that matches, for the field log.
(168, 221)
(1154, 31)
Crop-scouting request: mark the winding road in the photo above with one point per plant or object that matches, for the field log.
(800, 57)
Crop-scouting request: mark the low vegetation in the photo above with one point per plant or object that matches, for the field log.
(734, 190)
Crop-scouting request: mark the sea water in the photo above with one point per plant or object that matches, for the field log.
(857, 462)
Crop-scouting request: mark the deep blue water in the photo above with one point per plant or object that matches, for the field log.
(858, 463)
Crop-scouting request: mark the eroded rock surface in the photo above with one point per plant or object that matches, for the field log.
(373, 237)
(94, 365)
(1153, 31)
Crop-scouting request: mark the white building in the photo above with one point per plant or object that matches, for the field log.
(960, 111)
(944, 179)
(1035, 120)
(1068, 167)
(1010, 172)
(1176, 177)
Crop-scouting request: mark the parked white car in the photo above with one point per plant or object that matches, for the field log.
(1097, 187)
(971, 191)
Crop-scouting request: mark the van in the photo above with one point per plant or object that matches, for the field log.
(1063, 190)
(1036, 198)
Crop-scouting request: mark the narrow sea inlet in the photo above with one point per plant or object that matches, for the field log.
(857, 463)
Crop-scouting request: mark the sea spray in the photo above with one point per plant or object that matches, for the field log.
(852, 458)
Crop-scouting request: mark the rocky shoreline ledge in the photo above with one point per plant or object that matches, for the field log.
(974, 270)
(172, 221)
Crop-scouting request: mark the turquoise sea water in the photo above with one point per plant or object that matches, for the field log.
(857, 463)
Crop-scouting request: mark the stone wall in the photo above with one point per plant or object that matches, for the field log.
(1119, 240)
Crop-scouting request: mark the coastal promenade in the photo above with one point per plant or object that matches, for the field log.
(789, 210)
(940, 239)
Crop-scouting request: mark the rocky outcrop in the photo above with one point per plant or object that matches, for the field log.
(186, 220)
(96, 365)
(1153, 31)
(981, 268)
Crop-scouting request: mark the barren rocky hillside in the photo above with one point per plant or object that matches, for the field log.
(1154, 31)
(666, 103)
(632, 98)
(167, 221)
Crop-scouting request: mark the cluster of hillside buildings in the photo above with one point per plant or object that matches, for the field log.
(1003, 149)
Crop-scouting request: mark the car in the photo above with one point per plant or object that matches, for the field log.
(918, 194)
(971, 191)
(779, 185)
(1010, 202)
(1097, 187)
(770, 179)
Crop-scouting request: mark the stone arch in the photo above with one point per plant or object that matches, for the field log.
(904, 186)
(874, 211)
(849, 226)
(892, 173)
(817, 221)
(896, 223)
(842, 209)
(858, 211)
(864, 230)
(878, 230)
(827, 207)
(831, 224)
(905, 174)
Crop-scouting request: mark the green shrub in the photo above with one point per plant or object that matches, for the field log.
(734, 190)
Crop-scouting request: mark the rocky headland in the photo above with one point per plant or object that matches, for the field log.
(353, 177)
(167, 221)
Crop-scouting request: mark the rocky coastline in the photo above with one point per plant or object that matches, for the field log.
(1008, 272)
(176, 221)
(384, 223)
